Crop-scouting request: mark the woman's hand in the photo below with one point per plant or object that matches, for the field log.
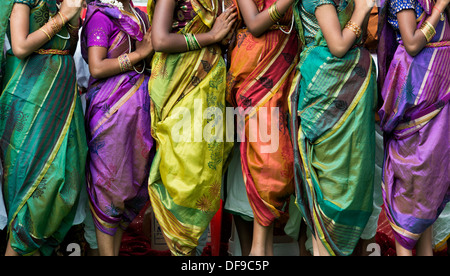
(71, 8)
(145, 47)
(165, 41)
(365, 6)
(223, 24)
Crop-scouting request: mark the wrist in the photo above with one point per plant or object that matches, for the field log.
(440, 7)
(136, 56)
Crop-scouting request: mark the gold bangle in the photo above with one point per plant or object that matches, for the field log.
(125, 63)
(54, 25)
(274, 15)
(428, 30)
(45, 32)
(64, 18)
(352, 26)
(72, 26)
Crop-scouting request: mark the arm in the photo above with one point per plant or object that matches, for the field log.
(102, 67)
(22, 42)
(413, 39)
(165, 41)
(340, 41)
(258, 22)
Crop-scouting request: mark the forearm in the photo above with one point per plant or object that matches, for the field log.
(413, 38)
(259, 22)
(176, 43)
(108, 67)
(24, 43)
(340, 40)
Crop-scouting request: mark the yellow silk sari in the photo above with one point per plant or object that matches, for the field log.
(188, 115)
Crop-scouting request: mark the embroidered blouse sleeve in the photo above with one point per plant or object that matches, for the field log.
(98, 30)
(311, 5)
(29, 3)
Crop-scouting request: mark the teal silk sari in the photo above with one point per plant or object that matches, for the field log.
(42, 138)
(333, 128)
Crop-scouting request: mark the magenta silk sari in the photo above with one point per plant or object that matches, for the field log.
(118, 122)
(415, 119)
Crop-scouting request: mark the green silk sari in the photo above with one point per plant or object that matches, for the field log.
(333, 123)
(42, 139)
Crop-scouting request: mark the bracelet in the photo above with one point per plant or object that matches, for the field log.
(274, 15)
(191, 42)
(72, 26)
(55, 27)
(440, 12)
(352, 26)
(428, 30)
(437, 9)
(125, 63)
(63, 17)
(45, 32)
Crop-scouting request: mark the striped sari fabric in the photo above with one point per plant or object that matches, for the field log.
(334, 127)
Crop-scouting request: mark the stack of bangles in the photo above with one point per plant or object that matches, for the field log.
(352, 26)
(274, 15)
(125, 63)
(53, 26)
(191, 42)
(428, 30)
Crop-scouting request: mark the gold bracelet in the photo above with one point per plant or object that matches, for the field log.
(125, 63)
(64, 18)
(352, 26)
(72, 26)
(428, 30)
(274, 15)
(54, 25)
(45, 32)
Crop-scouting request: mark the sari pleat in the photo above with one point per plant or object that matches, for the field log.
(188, 118)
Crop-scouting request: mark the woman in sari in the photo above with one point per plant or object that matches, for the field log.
(333, 123)
(262, 69)
(116, 44)
(42, 137)
(414, 117)
(188, 81)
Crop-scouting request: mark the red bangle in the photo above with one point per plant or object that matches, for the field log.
(437, 9)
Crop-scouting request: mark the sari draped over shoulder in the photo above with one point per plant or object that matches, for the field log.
(42, 139)
(333, 125)
(118, 122)
(415, 119)
(188, 117)
(262, 70)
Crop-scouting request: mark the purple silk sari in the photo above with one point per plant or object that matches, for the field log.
(415, 119)
(118, 123)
